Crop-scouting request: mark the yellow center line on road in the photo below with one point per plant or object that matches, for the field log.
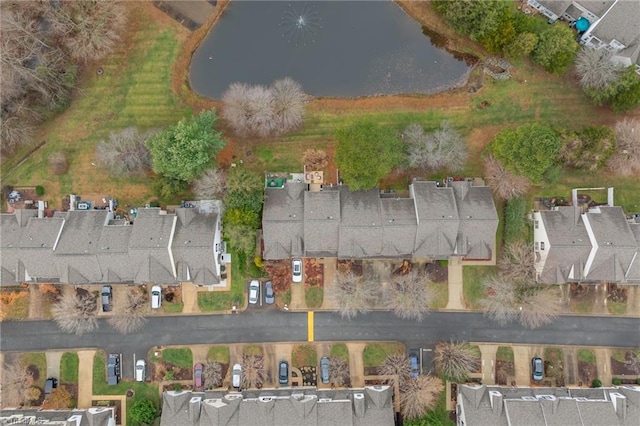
(310, 326)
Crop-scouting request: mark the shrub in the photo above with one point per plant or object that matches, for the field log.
(39, 191)
(589, 148)
(596, 383)
(58, 163)
(125, 152)
(616, 381)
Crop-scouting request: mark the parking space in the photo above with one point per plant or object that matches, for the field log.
(261, 296)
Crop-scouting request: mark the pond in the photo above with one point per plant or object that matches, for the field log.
(332, 48)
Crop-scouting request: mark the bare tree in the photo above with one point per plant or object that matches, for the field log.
(212, 374)
(125, 152)
(16, 382)
(500, 300)
(408, 295)
(264, 111)
(396, 365)
(58, 163)
(75, 313)
(315, 159)
(338, 371)
(595, 68)
(539, 306)
(129, 316)
(253, 372)
(504, 184)
(456, 360)
(443, 148)
(90, 29)
(420, 395)
(516, 264)
(211, 185)
(288, 104)
(352, 294)
(625, 160)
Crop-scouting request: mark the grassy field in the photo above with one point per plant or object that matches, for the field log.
(219, 354)
(134, 90)
(39, 360)
(504, 353)
(472, 288)
(180, 357)
(375, 353)
(69, 367)
(304, 355)
(341, 351)
(313, 297)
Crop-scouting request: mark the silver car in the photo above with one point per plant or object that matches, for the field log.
(254, 292)
(537, 369)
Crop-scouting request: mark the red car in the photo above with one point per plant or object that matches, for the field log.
(197, 375)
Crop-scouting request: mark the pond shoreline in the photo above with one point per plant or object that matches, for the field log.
(181, 81)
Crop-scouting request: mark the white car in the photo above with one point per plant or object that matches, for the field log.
(141, 370)
(236, 376)
(296, 270)
(254, 292)
(156, 296)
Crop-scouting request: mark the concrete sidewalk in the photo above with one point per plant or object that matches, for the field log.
(85, 378)
(456, 293)
(356, 364)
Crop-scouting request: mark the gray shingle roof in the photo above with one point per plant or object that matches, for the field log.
(279, 407)
(621, 23)
(547, 406)
(88, 249)
(76, 417)
(282, 221)
(436, 222)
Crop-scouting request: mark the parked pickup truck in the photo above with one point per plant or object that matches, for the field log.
(113, 369)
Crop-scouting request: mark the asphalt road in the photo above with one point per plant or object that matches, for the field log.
(276, 326)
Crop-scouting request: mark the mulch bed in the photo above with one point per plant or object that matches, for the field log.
(354, 266)
(309, 376)
(371, 371)
(280, 275)
(159, 370)
(504, 369)
(313, 272)
(587, 371)
(617, 294)
(620, 368)
(437, 273)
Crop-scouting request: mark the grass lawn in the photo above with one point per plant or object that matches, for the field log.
(304, 355)
(172, 308)
(617, 308)
(69, 367)
(553, 354)
(100, 386)
(219, 354)
(212, 301)
(586, 355)
(134, 90)
(440, 292)
(582, 306)
(375, 353)
(254, 350)
(180, 357)
(340, 350)
(39, 360)
(472, 288)
(313, 296)
(14, 304)
(504, 353)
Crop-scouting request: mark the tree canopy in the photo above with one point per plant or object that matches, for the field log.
(366, 152)
(556, 48)
(477, 19)
(143, 411)
(185, 150)
(527, 151)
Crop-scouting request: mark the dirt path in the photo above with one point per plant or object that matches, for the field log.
(85, 378)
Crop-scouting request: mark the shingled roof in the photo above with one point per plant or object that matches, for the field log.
(370, 406)
(83, 247)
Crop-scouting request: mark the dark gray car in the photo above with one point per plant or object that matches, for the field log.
(106, 298)
(269, 296)
(113, 369)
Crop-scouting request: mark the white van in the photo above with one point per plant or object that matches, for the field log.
(156, 296)
(236, 376)
(141, 370)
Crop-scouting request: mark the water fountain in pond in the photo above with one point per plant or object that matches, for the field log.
(300, 24)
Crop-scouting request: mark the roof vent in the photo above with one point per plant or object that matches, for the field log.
(529, 398)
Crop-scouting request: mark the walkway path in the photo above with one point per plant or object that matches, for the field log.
(329, 282)
(190, 298)
(488, 361)
(297, 297)
(603, 361)
(53, 363)
(456, 294)
(356, 364)
(85, 378)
